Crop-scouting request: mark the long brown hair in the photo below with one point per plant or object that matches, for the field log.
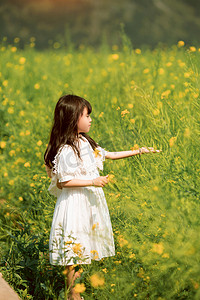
(65, 130)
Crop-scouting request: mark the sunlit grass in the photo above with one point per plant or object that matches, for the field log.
(139, 98)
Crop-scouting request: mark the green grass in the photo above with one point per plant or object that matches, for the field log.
(147, 99)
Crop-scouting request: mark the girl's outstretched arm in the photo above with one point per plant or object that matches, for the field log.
(123, 154)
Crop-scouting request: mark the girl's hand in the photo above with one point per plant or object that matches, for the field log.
(59, 185)
(101, 181)
(149, 149)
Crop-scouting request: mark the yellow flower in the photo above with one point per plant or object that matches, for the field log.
(13, 49)
(77, 248)
(37, 86)
(161, 71)
(156, 112)
(110, 177)
(165, 255)
(105, 270)
(115, 56)
(10, 110)
(68, 242)
(27, 132)
(193, 49)
(132, 255)
(132, 121)
(137, 51)
(101, 114)
(5, 83)
(145, 71)
(20, 199)
(2, 144)
(124, 112)
(135, 147)
(21, 113)
(181, 43)
(97, 152)
(155, 188)
(165, 94)
(169, 64)
(96, 280)
(39, 143)
(122, 241)
(79, 288)
(22, 60)
(27, 164)
(12, 152)
(11, 182)
(95, 225)
(130, 105)
(172, 141)
(158, 248)
(187, 75)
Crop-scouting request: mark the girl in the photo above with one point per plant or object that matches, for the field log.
(81, 228)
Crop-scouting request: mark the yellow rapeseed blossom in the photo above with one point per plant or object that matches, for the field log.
(21, 113)
(22, 60)
(79, 288)
(105, 270)
(192, 49)
(11, 182)
(158, 248)
(27, 164)
(187, 74)
(96, 280)
(156, 112)
(2, 144)
(130, 105)
(155, 188)
(12, 152)
(13, 49)
(137, 51)
(165, 94)
(146, 71)
(110, 177)
(161, 71)
(5, 83)
(115, 56)
(172, 141)
(97, 152)
(77, 248)
(124, 112)
(132, 255)
(95, 225)
(181, 43)
(101, 114)
(37, 86)
(10, 110)
(169, 64)
(27, 132)
(135, 147)
(39, 143)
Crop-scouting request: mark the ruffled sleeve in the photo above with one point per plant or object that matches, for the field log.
(66, 164)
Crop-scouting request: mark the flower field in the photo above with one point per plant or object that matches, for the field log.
(139, 98)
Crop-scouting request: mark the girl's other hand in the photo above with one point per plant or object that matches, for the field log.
(101, 181)
(59, 185)
(149, 149)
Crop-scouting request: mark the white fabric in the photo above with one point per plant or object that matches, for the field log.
(81, 219)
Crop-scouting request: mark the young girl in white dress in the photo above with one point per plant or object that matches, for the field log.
(81, 228)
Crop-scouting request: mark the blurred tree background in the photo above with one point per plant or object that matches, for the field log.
(146, 22)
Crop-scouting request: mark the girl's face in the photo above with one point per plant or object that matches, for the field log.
(84, 121)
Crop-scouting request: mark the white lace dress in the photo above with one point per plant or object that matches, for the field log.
(81, 228)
